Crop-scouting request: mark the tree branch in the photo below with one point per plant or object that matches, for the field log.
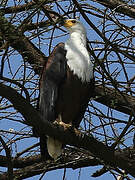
(114, 46)
(68, 136)
(19, 8)
(8, 159)
(24, 7)
(19, 42)
(33, 165)
(42, 167)
(111, 98)
(75, 159)
(119, 6)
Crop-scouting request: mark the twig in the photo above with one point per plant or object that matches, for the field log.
(9, 159)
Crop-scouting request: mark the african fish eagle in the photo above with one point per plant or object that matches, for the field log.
(66, 84)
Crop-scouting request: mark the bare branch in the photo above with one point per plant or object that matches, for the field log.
(67, 136)
(119, 6)
(20, 43)
(8, 159)
(110, 97)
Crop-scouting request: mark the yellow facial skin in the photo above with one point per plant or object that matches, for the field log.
(69, 23)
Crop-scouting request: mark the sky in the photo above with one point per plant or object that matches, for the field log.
(79, 174)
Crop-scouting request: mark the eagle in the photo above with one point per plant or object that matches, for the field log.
(66, 85)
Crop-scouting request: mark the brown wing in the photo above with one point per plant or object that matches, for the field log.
(52, 76)
(54, 72)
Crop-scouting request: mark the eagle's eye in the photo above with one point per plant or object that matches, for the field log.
(73, 21)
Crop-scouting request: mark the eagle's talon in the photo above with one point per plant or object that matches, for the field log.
(64, 125)
(56, 122)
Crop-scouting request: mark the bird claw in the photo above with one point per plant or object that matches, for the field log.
(64, 125)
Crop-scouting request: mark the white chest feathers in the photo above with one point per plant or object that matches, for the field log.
(78, 58)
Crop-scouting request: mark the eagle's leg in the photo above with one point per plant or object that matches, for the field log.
(61, 123)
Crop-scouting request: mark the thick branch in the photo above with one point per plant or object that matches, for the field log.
(35, 166)
(119, 6)
(33, 26)
(111, 98)
(68, 136)
(20, 162)
(24, 7)
(33, 118)
(42, 167)
(9, 159)
(19, 8)
(74, 158)
(70, 161)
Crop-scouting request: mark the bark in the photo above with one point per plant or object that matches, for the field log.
(68, 136)
(111, 98)
(119, 6)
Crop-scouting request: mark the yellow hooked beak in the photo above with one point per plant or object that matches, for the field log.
(69, 23)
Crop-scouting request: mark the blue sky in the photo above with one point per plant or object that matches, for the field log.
(84, 173)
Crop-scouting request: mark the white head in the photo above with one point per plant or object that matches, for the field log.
(77, 56)
(73, 25)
